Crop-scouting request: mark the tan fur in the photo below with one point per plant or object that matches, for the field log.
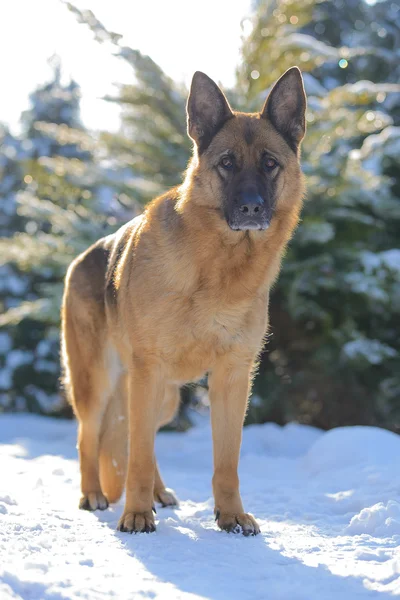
(171, 296)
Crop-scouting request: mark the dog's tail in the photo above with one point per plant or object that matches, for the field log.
(113, 456)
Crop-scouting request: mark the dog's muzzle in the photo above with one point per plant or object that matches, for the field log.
(249, 213)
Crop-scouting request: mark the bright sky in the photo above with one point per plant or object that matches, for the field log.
(182, 36)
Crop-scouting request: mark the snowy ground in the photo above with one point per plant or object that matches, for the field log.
(327, 503)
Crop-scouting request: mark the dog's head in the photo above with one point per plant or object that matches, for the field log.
(247, 164)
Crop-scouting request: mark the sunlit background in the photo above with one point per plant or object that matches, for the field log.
(180, 36)
(74, 166)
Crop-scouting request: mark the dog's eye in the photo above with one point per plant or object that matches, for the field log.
(270, 163)
(226, 163)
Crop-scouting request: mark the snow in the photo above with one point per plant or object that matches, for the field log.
(380, 519)
(373, 352)
(313, 86)
(5, 378)
(387, 142)
(368, 87)
(315, 232)
(368, 285)
(309, 43)
(5, 342)
(327, 503)
(391, 259)
(16, 358)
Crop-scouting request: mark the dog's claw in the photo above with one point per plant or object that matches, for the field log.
(166, 498)
(241, 523)
(132, 522)
(93, 501)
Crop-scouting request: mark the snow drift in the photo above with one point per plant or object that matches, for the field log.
(327, 503)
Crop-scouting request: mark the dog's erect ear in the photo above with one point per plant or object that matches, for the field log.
(286, 105)
(207, 110)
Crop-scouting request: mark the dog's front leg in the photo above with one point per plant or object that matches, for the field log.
(229, 389)
(146, 392)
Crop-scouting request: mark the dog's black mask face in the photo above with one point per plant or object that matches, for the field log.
(249, 193)
(244, 156)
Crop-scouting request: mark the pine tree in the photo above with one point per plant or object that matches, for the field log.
(13, 284)
(54, 201)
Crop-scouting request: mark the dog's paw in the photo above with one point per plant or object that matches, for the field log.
(135, 522)
(240, 523)
(166, 497)
(93, 501)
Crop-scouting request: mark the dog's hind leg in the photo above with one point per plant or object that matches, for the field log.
(165, 496)
(88, 443)
(85, 376)
(88, 389)
(114, 442)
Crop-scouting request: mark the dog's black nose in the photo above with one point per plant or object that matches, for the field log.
(250, 211)
(251, 205)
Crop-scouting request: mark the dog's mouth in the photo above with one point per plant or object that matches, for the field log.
(242, 224)
(252, 218)
(249, 225)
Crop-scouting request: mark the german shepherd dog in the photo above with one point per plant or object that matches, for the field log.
(180, 291)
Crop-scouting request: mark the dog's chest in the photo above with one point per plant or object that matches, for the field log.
(196, 326)
(217, 326)
(212, 328)
(201, 341)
